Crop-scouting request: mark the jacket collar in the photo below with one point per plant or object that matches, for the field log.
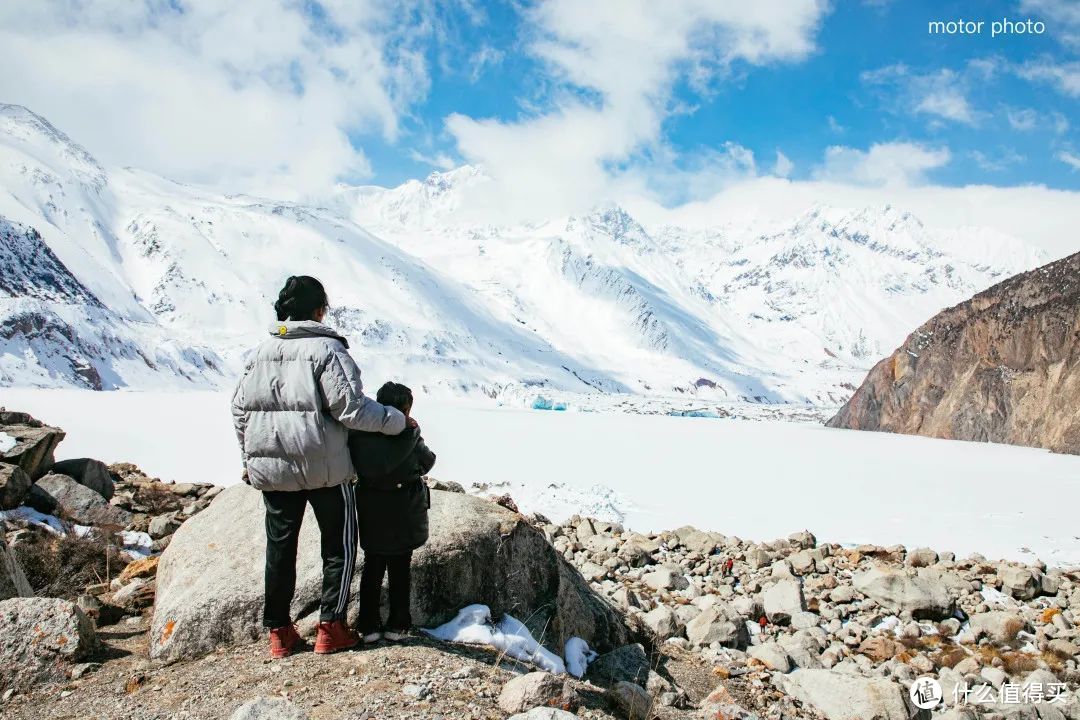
(293, 329)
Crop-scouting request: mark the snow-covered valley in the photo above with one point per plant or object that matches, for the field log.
(115, 278)
(757, 480)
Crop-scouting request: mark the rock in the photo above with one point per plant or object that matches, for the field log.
(665, 578)
(921, 557)
(771, 656)
(15, 484)
(783, 600)
(136, 595)
(633, 700)
(712, 627)
(899, 592)
(880, 648)
(445, 485)
(844, 594)
(40, 500)
(543, 713)
(210, 584)
(93, 474)
(532, 690)
(269, 708)
(141, 568)
(663, 622)
(13, 581)
(163, 525)
(996, 368)
(43, 639)
(842, 696)
(721, 705)
(627, 663)
(1064, 648)
(80, 503)
(1020, 582)
(34, 444)
(804, 539)
(757, 558)
(998, 625)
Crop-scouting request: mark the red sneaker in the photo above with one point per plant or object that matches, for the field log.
(282, 641)
(334, 636)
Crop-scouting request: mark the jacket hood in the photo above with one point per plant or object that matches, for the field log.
(293, 329)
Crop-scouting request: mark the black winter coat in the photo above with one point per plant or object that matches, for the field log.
(392, 500)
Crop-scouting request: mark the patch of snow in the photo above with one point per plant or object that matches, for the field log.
(7, 442)
(137, 544)
(578, 655)
(995, 597)
(474, 626)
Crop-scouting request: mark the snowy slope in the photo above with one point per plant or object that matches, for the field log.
(431, 293)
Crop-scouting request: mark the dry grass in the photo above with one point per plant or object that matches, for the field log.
(63, 565)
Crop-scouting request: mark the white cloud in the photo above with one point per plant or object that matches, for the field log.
(261, 96)
(484, 58)
(783, 165)
(613, 64)
(941, 93)
(1070, 159)
(1061, 16)
(1065, 77)
(441, 161)
(1022, 119)
(895, 164)
(1005, 158)
(835, 126)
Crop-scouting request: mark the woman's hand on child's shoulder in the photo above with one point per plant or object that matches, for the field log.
(410, 422)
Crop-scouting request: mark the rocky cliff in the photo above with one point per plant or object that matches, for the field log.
(1002, 367)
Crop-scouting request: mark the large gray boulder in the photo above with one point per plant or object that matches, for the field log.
(210, 578)
(15, 484)
(269, 708)
(43, 639)
(894, 589)
(90, 473)
(80, 503)
(843, 696)
(13, 581)
(34, 443)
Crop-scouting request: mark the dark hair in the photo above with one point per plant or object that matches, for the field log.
(301, 297)
(395, 395)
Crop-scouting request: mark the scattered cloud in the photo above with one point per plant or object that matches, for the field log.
(1003, 160)
(1064, 76)
(1022, 119)
(941, 93)
(1061, 16)
(612, 77)
(894, 164)
(484, 58)
(835, 126)
(1069, 158)
(257, 95)
(783, 165)
(440, 161)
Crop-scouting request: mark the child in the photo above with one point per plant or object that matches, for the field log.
(392, 511)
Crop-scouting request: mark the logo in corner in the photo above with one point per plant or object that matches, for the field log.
(926, 693)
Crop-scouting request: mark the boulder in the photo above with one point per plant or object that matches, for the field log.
(210, 577)
(711, 626)
(15, 485)
(40, 500)
(165, 524)
(633, 700)
(544, 713)
(34, 443)
(720, 704)
(269, 708)
(998, 625)
(843, 696)
(43, 639)
(93, 474)
(1020, 582)
(532, 690)
(81, 504)
(783, 600)
(771, 655)
(627, 663)
(895, 590)
(13, 581)
(665, 578)
(142, 568)
(663, 622)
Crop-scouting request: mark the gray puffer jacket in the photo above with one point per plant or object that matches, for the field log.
(294, 405)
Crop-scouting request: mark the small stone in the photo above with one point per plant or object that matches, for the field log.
(632, 699)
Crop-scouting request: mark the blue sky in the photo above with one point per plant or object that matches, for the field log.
(874, 65)
(565, 102)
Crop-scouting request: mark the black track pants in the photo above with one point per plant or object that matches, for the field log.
(335, 511)
(397, 568)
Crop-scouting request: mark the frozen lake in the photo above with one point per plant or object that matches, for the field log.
(758, 480)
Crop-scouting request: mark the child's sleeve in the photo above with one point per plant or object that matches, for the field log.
(425, 456)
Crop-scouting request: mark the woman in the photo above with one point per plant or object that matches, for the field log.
(293, 407)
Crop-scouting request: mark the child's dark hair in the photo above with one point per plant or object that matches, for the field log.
(395, 395)
(300, 299)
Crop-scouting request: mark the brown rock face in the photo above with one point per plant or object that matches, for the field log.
(1002, 367)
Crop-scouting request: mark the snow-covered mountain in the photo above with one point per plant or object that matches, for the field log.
(131, 280)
